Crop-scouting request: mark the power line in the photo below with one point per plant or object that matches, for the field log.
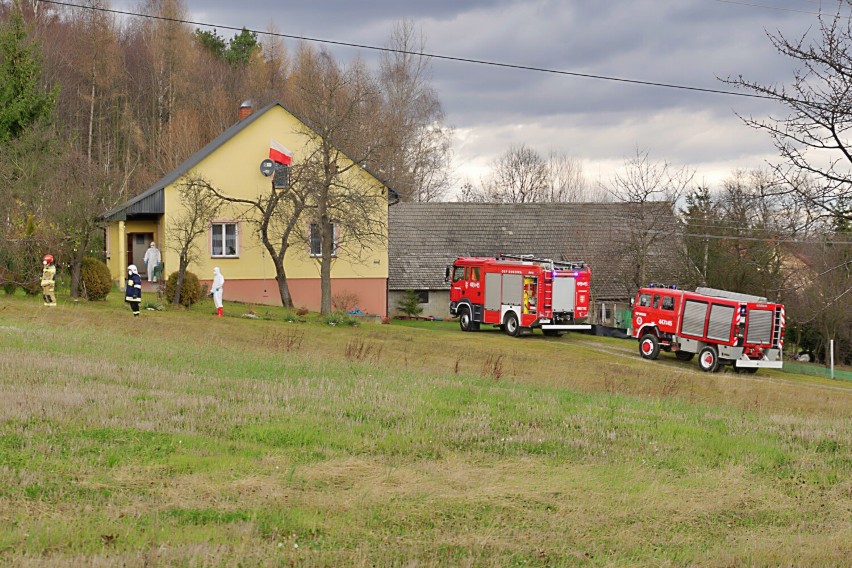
(421, 54)
(778, 8)
(756, 239)
(823, 273)
(826, 306)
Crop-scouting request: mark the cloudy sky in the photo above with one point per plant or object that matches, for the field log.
(599, 122)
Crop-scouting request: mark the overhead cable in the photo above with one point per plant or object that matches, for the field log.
(421, 54)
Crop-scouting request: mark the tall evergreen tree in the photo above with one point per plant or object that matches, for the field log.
(23, 101)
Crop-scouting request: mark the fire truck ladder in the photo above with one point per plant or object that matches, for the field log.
(776, 330)
(555, 264)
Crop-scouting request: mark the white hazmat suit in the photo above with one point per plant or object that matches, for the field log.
(216, 290)
(152, 260)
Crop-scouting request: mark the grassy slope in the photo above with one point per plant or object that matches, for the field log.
(179, 438)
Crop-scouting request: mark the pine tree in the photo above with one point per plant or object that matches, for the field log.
(23, 101)
(409, 304)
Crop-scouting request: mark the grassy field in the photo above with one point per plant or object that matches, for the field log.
(182, 439)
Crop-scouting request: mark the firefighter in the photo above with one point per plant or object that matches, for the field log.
(133, 291)
(48, 280)
(216, 290)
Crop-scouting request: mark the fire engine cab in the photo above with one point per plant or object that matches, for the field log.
(519, 293)
(721, 327)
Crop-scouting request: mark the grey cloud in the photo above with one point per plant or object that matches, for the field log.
(688, 42)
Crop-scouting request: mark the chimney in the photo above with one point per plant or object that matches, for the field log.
(245, 109)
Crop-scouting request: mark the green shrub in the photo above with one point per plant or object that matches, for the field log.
(291, 315)
(96, 279)
(190, 290)
(340, 318)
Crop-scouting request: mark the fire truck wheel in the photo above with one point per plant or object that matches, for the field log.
(649, 346)
(708, 359)
(510, 322)
(466, 321)
(684, 355)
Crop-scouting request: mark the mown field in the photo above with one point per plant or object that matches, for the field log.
(182, 439)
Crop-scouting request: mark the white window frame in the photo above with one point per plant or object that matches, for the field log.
(221, 226)
(311, 252)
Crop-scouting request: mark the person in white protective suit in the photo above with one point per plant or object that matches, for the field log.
(152, 260)
(216, 290)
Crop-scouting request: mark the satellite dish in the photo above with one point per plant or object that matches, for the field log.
(267, 167)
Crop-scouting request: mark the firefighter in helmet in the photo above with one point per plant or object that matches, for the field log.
(48, 280)
(133, 291)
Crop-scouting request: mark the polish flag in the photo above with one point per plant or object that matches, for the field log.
(278, 153)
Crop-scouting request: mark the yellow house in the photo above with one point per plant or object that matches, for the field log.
(233, 163)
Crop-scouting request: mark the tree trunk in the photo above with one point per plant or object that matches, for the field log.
(77, 267)
(283, 288)
(325, 285)
(325, 265)
(179, 284)
(76, 276)
(91, 119)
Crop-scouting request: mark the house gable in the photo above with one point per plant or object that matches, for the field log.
(232, 164)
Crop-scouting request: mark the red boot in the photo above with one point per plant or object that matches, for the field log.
(218, 312)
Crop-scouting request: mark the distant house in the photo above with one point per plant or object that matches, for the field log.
(424, 238)
(232, 163)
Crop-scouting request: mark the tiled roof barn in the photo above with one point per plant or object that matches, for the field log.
(426, 237)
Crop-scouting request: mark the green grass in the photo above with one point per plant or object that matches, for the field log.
(182, 439)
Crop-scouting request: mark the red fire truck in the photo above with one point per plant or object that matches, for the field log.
(722, 327)
(519, 293)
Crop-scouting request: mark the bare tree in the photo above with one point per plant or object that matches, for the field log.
(652, 188)
(80, 191)
(567, 182)
(813, 140)
(275, 215)
(339, 104)
(822, 300)
(199, 206)
(267, 72)
(522, 175)
(167, 85)
(414, 150)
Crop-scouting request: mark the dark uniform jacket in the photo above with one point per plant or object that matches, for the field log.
(133, 292)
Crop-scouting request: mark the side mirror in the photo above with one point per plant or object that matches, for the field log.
(447, 274)
(631, 302)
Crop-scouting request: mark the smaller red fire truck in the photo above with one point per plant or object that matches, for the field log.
(722, 327)
(519, 293)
